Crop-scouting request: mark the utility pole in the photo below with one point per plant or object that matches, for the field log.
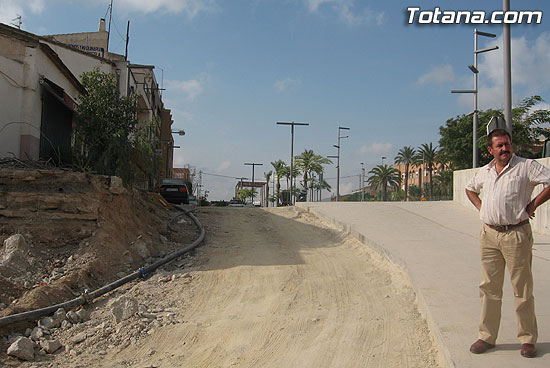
(362, 182)
(507, 52)
(127, 40)
(338, 162)
(199, 189)
(110, 17)
(253, 164)
(292, 124)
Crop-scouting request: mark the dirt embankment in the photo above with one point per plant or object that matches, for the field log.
(79, 231)
(269, 288)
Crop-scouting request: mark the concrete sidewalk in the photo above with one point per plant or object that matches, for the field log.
(438, 245)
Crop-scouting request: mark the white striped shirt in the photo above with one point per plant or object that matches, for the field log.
(504, 196)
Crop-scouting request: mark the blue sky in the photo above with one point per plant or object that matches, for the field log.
(232, 69)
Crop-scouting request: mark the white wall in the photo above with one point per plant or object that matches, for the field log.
(11, 81)
(21, 66)
(80, 62)
(539, 224)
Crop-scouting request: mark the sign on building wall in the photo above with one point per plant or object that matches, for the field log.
(97, 51)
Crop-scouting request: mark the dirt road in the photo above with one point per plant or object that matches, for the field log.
(269, 288)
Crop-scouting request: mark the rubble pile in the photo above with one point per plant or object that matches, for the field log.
(124, 317)
(63, 233)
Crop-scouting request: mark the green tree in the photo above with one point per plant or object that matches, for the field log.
(105, 136)
(280, 171)
(398, 195)
(382, 177)
(267, 176)
(415, 192)
(319, 184)
(456, 135)
(245, 193)
(428, 155)
(308, 162)
(444, 183)
(406, 156)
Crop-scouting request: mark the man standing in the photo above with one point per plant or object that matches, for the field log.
(506, 184)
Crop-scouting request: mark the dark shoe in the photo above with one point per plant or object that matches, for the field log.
(528, 350)
(480, 347)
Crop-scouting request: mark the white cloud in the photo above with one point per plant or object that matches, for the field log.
(437, 74)
(346, 188)
(223, 166)
(530, 72)
(190, 89)
(10, 9)
(347, 12)
(374, 148)
(181, 118)
(313, 5)
(286, 84)
(191, 8)
(180, 158)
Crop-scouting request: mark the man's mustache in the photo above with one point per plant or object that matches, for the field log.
(503, 152)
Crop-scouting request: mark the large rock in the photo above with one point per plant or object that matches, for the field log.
(37, 333)
(14, 256)
(15, 251)
(123, 308)
(59, 316)
(14, 243)
(72, 317)
(51, 346)
(48, 323)
(78, 338)
(22, 348)
(116, 186)
(83, 315)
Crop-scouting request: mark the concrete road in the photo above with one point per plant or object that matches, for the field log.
(438, 245)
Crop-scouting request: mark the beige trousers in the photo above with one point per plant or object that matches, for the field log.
(498, 249)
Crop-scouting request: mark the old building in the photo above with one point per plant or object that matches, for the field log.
(32, 65)
(37, 98)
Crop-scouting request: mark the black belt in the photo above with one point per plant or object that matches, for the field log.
(503, 228)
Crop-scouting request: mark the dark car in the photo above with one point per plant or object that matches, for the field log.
(174, 191)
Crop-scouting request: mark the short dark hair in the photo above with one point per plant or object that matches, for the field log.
(497, 133)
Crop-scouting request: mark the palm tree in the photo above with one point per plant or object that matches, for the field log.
(321, 184)
(384, 176)
(267, 176)
(406, 156)
(444, 181)
(428, 155)
(308, 163)
(245, 193)
(280, 171)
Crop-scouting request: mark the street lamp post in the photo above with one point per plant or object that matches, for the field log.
(292, 124)
(362, 182)
(253, 164)
(180, 132)
(338, 162)
(383, 158)
(474, 91)
(507, 63)
(336, 157)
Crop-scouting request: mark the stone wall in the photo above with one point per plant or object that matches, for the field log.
(539, 224)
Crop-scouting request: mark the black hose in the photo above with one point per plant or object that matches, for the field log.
(88, 297)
